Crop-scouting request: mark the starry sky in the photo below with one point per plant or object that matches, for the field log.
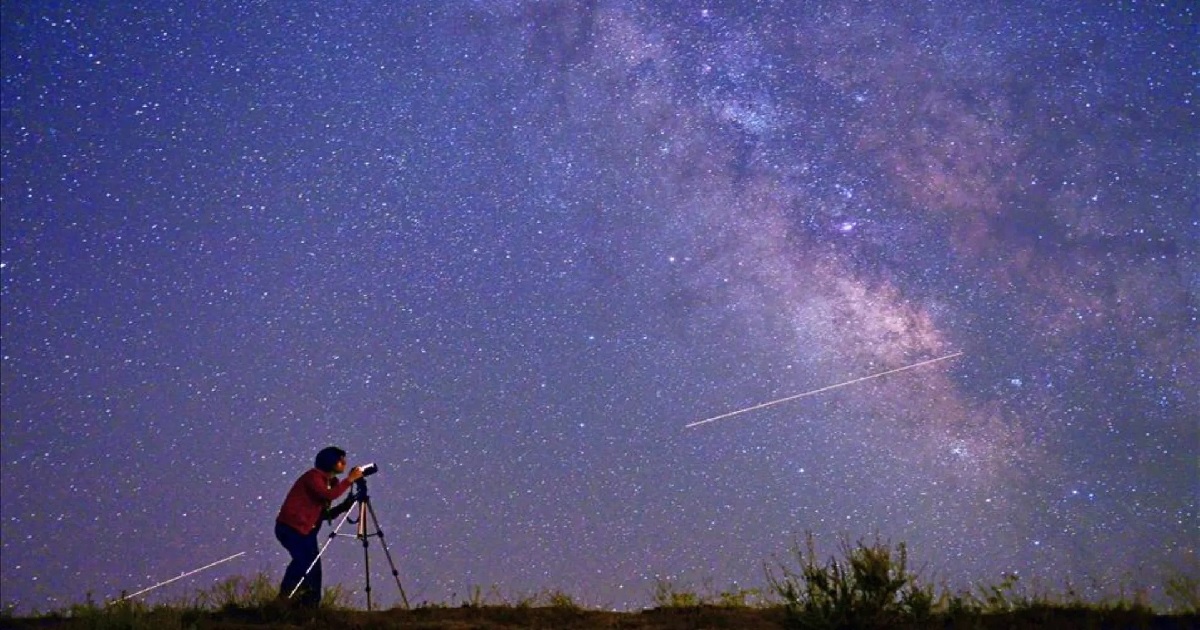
(508, 250)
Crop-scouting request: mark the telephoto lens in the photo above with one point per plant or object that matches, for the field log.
(370, 469)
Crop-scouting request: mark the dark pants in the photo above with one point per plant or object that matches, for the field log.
(304, 550)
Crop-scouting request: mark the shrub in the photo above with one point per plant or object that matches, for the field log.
(869, 587)
(666, 595)
(1184, 592)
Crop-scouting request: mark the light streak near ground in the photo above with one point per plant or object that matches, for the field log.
(178, 577)
(818, 391)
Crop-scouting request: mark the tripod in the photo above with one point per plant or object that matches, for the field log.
(362, 503)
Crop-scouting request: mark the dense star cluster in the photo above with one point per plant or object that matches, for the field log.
(509, 250)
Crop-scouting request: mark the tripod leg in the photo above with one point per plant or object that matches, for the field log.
(387, 554)
(364, 537)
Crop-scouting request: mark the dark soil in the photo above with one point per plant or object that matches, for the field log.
(565, 618)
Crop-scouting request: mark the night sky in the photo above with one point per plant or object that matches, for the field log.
(508, 250)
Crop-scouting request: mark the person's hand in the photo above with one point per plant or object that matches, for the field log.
(355, 474)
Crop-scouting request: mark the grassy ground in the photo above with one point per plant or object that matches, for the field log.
(498, 617)
(868, 586)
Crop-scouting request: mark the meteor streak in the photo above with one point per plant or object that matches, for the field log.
(178, 577)
(818, 391)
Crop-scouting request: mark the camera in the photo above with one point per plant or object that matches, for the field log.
(369, 469)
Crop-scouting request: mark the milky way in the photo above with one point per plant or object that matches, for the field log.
(509, 250)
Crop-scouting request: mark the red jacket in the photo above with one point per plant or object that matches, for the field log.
(307, 499)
